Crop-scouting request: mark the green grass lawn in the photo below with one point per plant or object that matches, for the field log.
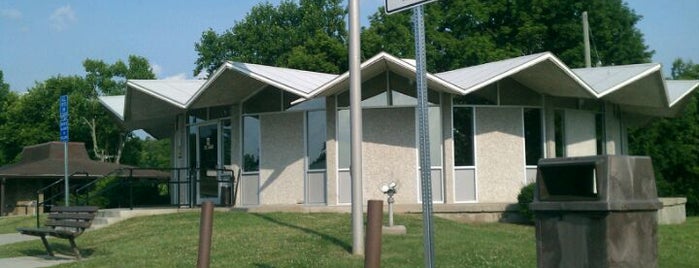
(319, 240)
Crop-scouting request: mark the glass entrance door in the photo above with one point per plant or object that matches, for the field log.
(208, 162)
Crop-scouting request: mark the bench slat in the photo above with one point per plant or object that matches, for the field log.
(68, 223)
(77, 216)
(88, 209)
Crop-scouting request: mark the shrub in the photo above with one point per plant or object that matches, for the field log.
(526, 197)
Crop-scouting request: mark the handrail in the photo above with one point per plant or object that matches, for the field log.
(41, 190)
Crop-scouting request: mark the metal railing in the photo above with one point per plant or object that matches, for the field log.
(137, 187)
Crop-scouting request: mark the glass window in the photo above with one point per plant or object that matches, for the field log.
(315, 121)
(219, 112)
(463, 136)
(251, 143)
(267, 100)
(514, 93)
(226, 137)
(559, 127)
(196, 116)
(484, 96)
(435, 121)
(343, 138)
(533, 136)
(600, 133)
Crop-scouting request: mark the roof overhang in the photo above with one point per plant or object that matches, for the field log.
(633, 85)
(234, 82)
(542, 72)
(384, 62)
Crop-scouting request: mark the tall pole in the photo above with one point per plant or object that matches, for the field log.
(356, 129)
(65, 173)
(586, 39)
(420, 60)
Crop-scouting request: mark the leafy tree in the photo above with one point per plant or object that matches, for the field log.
(109, 139)
(470, 32)
(673, 144)
(309, 35)
(7, 98)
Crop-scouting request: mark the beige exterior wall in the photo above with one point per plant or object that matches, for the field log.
(580, 135)
(448, 148)
(612, 129)
(388, 153)
(331, 151)
(499, 154)
(282, 158)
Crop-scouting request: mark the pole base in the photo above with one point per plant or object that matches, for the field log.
(395, 230)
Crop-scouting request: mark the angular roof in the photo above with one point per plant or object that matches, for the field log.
(542, 72)
(46, 161)
(380, 63)
(637, 84)
(152, 104)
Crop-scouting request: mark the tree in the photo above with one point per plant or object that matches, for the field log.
(470, 32)
(673, 144)
(7, 98)
(310, 35)
(110, 79)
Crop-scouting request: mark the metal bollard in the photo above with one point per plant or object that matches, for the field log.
(372, 256)
(205, 230)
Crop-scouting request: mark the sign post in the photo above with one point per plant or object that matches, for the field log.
(393, 6)
(63, 109)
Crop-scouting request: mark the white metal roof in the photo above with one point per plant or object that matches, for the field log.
(605, 80)
(679, 89)
(115, 104)
(176, 92)
(542, 72)
(380, 63)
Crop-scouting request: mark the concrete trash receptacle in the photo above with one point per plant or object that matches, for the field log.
(597, 211)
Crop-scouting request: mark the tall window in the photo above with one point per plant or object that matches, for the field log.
(315, 123)
(532, 136)
(559, 126)
(463, 136)
(251, 143)
(600, 133)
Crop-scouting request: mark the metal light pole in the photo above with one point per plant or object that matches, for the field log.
(356, 129)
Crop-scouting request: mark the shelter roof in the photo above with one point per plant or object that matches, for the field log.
(46, 161)
(637, 84)
(542, 72)
(380, 63)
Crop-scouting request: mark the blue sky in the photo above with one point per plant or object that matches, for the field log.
(40, 39)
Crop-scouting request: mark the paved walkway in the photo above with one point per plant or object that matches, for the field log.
(29, 261)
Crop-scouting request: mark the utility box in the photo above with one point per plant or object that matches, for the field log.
(597, 211)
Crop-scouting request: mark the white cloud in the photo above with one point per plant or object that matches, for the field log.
(202, 75)
(10, 14)
(179, 76)
(156, 68)
(62, 17)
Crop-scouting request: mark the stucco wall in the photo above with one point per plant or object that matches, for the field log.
(389, 152)
(499, 154)
(613, 129)
(282, 158)
(580, 135)
(331, 152)
(448, 151)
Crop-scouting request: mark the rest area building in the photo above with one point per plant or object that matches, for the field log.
(288, 130)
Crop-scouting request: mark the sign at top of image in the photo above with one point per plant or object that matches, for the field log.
(393, 6)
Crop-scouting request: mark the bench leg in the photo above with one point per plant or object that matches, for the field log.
(46, 245)
(75, 248)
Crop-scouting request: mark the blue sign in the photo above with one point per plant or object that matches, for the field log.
(63, 109)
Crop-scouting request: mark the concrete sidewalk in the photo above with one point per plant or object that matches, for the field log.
(30, 261)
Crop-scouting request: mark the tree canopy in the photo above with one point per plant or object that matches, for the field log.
(673, 144)
(309, 35)
(33, 117)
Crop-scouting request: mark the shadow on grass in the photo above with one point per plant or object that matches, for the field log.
(263, 265)
(347, 247)
(60, 249)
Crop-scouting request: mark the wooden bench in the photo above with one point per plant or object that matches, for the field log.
(64, 222)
